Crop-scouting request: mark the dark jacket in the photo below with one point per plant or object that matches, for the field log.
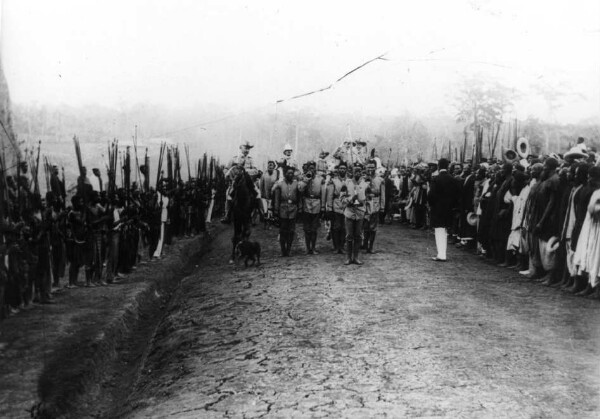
(443, 198)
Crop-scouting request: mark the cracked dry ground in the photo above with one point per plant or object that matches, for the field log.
(400, 336)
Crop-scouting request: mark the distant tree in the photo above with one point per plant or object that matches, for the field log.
(535, 131)
(481, 105)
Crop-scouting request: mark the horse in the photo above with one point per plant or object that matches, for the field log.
(243, 201)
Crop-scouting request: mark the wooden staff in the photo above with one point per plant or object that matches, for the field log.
(35, 170)
(19, 185)
(127, 170)
(78, 154)
(176, 165)
(160, 162)
(137, 163)
(63, 191)
(204, 166)
(147, 178)
(169, 164)
(187, 157)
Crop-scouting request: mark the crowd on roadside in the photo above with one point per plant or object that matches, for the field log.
(92, 237)
(539, 215)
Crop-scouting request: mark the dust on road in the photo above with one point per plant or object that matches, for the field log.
(400, 336)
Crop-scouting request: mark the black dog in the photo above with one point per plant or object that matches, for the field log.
(251, 250)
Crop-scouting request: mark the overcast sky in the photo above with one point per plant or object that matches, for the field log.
(250, 53)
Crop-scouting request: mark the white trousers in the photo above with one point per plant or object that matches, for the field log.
(159, 246)
(441, 242)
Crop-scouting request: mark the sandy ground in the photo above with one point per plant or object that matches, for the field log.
(401, 336)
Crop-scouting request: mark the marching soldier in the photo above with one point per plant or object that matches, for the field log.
(313, 202)
(266, 183)
(375, 204)
(353, 197)
(335, 208)
(286, 207)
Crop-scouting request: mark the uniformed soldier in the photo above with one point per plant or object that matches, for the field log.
(335, 208)
(375, 204)
(353, 197)
(313, 193)
(286, 197)
(322, 165)
(266, 183)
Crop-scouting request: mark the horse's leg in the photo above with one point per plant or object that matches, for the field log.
(235, 239)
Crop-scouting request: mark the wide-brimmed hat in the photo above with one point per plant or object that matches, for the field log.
(323, 153)
(287, 147)
(575, 153)
(246, 145)
(472, 219)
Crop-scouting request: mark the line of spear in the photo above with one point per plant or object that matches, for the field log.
(34, 164)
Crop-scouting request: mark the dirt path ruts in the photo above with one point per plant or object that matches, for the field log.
(400, 336)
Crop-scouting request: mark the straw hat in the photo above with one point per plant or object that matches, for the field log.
(472, 219)
(575, 153)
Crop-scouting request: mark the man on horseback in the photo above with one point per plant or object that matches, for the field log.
(242, 161)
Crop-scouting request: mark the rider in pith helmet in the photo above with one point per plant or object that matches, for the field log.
(242, 161)
(288, 161)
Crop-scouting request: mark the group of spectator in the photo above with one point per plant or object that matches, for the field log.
(91, 238)
(539, 215)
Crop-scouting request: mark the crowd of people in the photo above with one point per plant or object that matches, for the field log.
(539, 215)
(48, 241)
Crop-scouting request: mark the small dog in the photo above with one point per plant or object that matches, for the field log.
(251, 250)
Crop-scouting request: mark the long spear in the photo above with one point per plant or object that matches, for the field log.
(137, 163)
(127, 170)
(78, 153)
(187, 157)
(35, 171)
(160, 161)
(147, 178)
(204, 166)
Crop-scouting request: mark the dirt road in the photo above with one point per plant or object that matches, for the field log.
(401, 336)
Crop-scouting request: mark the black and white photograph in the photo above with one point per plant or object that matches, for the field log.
(299, 209)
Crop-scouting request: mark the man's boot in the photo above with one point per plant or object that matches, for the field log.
(313, 242)
(290, 240)
(283, 243)
(371, 242)
(348, 253)
(355, 252)
(334, 240)
(340, 235)
(307, 242)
